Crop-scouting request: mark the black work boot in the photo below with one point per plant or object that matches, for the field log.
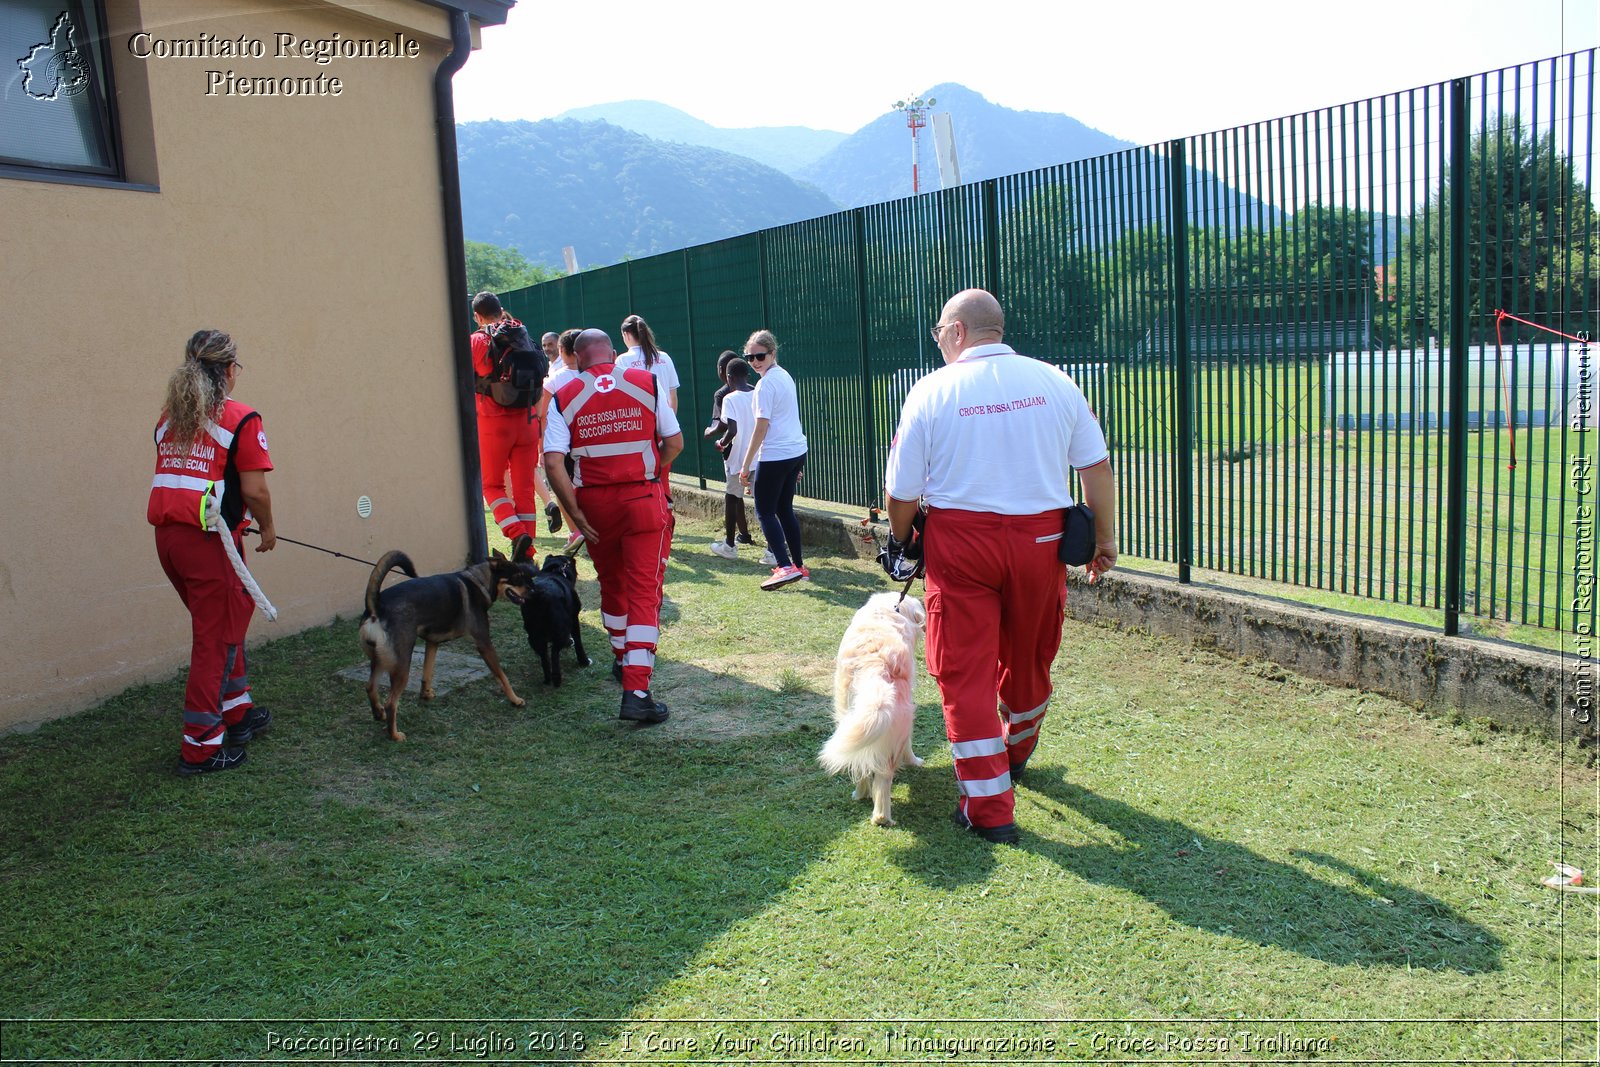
(223, 760)
(642, 708)
(255, 721)
(1000, 835)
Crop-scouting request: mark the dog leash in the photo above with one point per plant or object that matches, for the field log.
(302, 544)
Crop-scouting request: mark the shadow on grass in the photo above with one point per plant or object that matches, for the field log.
(543, 862)
(1345, 916)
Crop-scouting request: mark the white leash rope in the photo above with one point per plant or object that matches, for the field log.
(214, 522)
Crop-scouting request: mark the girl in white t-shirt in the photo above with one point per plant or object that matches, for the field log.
(777, 454)
(642, 352)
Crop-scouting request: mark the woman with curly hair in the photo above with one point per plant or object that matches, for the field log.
(210, 482)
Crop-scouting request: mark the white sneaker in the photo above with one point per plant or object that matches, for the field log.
(768, 559)
(725, 550)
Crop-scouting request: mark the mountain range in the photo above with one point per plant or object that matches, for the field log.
(611, 193)
(785, 148)
(637, 178)
(874, 163)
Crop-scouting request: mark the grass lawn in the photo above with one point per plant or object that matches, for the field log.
(1219, 861)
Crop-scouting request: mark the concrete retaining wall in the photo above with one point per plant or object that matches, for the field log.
(1515, 687)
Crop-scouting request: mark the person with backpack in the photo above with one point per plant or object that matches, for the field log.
(509, 371)
(210, 482)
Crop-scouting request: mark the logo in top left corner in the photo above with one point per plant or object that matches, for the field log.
(56, 68)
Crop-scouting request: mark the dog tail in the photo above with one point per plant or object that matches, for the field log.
(386, 563)
(859, 745)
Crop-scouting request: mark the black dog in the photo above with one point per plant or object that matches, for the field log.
(550, 614)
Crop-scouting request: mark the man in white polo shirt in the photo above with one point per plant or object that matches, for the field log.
(987, 443)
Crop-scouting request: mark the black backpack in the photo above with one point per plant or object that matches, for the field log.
(518, 366)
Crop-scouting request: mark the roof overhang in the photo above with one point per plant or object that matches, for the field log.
(484, 12)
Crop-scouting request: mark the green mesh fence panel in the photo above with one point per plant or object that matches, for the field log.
(1316, 303)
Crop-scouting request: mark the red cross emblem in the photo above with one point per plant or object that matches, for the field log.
(605, 383)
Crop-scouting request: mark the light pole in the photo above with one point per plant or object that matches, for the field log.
(916, 113)
(915, 110)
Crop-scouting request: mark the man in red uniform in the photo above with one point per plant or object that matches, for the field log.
(224, 467)
(622, 435)
(508, 437)
(987, 442)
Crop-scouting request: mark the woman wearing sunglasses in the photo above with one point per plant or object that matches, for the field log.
(777, 451)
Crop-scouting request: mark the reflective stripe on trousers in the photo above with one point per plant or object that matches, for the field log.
(630, 558)
(217, 693)
(995, 597)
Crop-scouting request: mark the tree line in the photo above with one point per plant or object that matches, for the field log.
(1533, 249)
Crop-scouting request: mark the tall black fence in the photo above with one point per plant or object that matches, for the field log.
(1345, 349)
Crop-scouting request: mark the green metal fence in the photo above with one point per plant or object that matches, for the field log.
(1289, 331)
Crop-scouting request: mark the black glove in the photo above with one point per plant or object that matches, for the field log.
(896, 563)
(919, 526)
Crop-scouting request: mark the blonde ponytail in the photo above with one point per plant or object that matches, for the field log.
(198, 388)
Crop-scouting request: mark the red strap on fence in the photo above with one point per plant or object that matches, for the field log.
(1500, 316)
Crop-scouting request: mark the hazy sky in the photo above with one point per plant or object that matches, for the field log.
(1142, 70)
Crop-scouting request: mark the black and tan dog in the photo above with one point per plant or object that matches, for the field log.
(438, 608)
(550, 615)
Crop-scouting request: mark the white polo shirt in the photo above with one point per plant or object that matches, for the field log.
(558, 435)
(662, 368)
(994, 432)
(560, 374)
(777, 401)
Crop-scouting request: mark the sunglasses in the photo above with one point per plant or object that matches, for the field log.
(753, 356)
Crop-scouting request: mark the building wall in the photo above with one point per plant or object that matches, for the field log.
(310, 228)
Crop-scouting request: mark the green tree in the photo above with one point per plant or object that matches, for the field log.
(1135, 316)
(500, 270)
(1532, 247)
(1059, 311)
(1315, 268)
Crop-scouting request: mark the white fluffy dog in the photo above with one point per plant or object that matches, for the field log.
(872, 707)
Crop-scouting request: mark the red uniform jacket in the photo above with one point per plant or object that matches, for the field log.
(611, 416)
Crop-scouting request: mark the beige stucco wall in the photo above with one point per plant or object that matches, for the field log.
(311, 229)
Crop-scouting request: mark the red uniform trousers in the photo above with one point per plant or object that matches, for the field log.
(218, 692)
(511, 440)
(635, 527)
(996, 593)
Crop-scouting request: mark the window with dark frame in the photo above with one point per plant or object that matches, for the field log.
(56, 109)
